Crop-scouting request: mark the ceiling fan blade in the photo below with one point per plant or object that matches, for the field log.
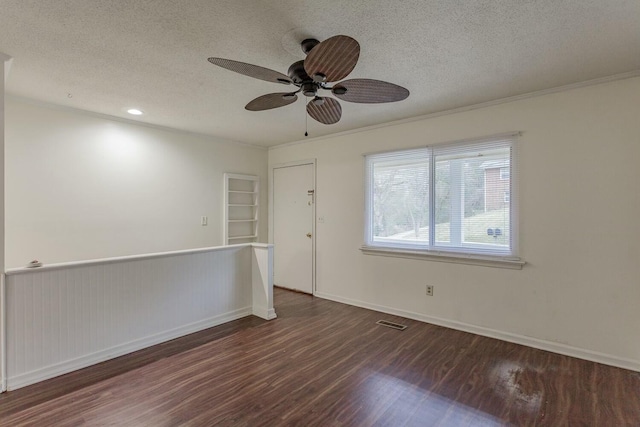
(369, 91)
(271, 100)
(254, 71)
(333, 58)
(328, 113)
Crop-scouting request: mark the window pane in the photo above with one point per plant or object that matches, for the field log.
(470, 188)
(472, 199)
(400, 200)
(443, 202)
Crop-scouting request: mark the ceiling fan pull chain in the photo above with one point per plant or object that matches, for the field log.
(306, 123)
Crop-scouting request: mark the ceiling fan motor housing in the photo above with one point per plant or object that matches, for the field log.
(300, 78)
(297, 73)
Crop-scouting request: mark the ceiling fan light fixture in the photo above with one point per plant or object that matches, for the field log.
(318, 100)
(309, 89)
(339, 90)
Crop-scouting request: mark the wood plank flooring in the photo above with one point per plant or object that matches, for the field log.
(323, 363)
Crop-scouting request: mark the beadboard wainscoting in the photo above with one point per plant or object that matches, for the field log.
(63, 317)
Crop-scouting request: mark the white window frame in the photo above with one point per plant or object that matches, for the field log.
(476, 255)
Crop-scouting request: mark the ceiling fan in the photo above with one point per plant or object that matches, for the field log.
(327, 62)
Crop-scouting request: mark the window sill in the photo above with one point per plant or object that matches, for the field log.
(482, 260)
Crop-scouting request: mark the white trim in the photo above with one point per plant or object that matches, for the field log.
(452, 257)
(261, 245)
(122, 349)
(554, 347)
(264, 313)
(313, 208)
(3, 334)
(514, 202)
(46, 267)
(294, 163)
(131, 122)
(534, 94)
(8, 61)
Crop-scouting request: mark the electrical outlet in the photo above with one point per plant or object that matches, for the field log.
(204, 220)
(430, 290)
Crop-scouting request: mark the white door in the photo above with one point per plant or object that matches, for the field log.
(293, 198)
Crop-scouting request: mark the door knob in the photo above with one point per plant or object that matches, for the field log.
(309, 235)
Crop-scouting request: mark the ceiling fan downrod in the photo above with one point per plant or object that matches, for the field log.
(308, 44)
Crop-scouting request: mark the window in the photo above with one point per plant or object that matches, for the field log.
(452, 198)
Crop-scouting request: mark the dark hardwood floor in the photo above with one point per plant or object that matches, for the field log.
(327, 364)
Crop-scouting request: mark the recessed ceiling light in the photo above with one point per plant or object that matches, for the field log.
(134, 111)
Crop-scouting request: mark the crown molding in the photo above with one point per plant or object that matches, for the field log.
(535, 94)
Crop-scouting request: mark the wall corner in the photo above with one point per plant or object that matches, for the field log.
(6, 60)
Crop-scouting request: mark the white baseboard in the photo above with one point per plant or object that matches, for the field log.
(567, 350)
(67, 366)
(264, 313)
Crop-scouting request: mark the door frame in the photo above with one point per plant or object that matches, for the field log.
(272, 168)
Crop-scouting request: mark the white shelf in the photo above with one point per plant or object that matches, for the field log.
(240, 191)
(242, 237)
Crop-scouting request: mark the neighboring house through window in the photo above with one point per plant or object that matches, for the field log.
(495, 183)
(505, 173)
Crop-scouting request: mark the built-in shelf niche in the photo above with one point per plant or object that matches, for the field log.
(241, 194)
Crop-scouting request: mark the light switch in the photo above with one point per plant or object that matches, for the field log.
(204, 220)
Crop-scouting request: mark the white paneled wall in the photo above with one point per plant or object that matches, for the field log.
(65, 317)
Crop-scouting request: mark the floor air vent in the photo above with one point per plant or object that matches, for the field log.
(388, 324)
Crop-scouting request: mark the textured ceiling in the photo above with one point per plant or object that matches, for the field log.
(152, 54)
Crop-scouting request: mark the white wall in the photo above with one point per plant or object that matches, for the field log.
(3, 71)
(579, 226)
(81, 186)
(5, 66)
